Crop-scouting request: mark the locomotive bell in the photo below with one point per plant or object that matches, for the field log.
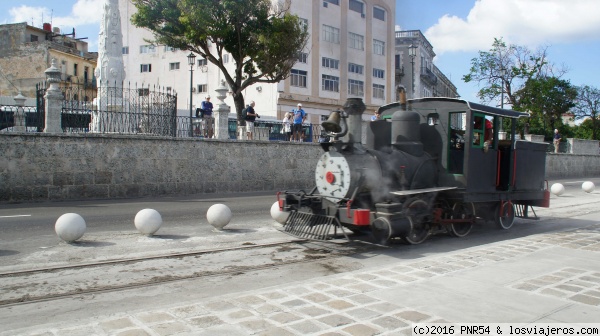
(332, 124)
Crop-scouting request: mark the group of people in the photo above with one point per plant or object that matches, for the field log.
(292, 124)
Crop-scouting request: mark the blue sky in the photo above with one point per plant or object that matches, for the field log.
(457, 29)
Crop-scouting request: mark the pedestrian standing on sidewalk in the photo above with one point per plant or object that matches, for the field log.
(299, 117)
(557, 138)
(207, 108)
(251, 115)
(287, 126)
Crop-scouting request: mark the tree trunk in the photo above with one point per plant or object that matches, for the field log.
(238, 101)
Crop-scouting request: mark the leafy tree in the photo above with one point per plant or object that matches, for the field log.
(546, 98)
(588, 105)
(505, 69)
(263, 39)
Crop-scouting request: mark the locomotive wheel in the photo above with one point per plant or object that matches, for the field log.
(462, 211)
(505, 215)
(416, 211)
(417, 236)
(381, 230)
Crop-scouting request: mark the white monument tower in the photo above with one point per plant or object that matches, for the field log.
(110, 71)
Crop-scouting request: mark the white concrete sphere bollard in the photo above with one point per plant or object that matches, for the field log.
(148, 221)
(557, 189)
(218, 215)
(588, 186)
(70, 227)
(278, 215)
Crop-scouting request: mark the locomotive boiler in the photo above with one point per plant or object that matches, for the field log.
(431, 165)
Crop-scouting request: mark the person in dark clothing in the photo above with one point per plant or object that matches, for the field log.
(556, 141)
(251, 116)
(207, 119)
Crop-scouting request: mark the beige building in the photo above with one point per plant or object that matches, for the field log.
(415, 70)
(350, 54)
(27, 51)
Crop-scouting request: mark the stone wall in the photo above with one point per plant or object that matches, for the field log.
(580, 146)
(41, 166)
(572, 166)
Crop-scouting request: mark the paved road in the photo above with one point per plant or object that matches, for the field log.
(544, 271)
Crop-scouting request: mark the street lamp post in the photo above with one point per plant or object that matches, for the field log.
(191, 61)
(412, 53)
(502, 74)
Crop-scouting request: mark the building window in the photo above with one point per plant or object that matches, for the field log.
(330, 63)
(378, 14)
(331, 34)
(356, 41)
(379, 91)
(298, 78)
(125, 50)
(202, 88)
(225, 58)
(378, 47)
(167, 48)
(397, 62)
(355, 87)
(356, 6)
(143, 92)
(355, 68)
(147, 49)
(146, 68)
(330, 83)
(302, 57)
(335, 2)
(75, 72)
(202, 62)
(378, 73)
(174, 66)
(304, 23)
(33, 38)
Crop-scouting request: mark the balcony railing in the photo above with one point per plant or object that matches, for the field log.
(428, 76)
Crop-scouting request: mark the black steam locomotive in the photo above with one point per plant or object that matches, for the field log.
(430, 165)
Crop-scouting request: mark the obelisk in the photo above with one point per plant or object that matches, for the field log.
(110, 71)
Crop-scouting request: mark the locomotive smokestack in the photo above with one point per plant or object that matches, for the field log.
(354, 108)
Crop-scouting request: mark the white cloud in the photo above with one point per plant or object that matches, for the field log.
(83, 12)
(523, 22)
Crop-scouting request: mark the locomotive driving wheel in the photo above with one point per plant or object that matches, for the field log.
(417, 210)
(462, 211)
(505, 214)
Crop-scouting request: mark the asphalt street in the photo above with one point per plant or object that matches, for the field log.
(543, 271)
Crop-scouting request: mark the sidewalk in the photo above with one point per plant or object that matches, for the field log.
(551, 277)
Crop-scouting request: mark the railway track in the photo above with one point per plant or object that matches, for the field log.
(45, 284)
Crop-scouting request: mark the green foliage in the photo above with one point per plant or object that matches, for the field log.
(505, 69)
(588, 106)
(546, 99)
(263, 40)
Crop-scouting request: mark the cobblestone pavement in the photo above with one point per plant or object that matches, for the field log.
(551, 277)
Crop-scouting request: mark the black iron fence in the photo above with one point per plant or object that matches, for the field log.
(112, 108)
(263, 130)
(15, 118)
